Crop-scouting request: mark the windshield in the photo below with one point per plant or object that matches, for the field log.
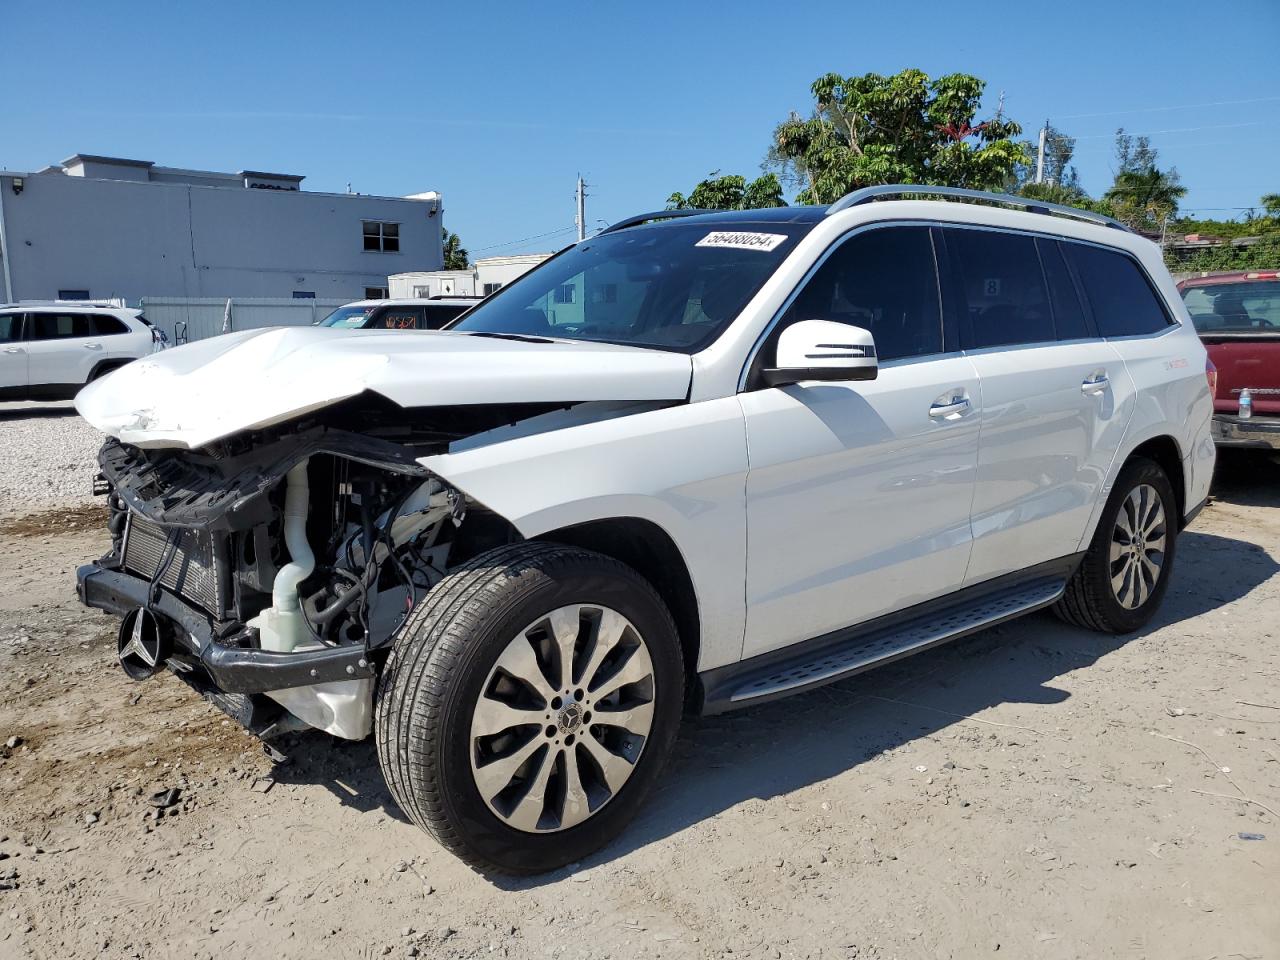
(673, 286)
(1246, 307)
(349, 318)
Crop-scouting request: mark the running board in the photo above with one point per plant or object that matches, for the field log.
(848, 652)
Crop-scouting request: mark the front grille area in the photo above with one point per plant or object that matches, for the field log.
(193, 571)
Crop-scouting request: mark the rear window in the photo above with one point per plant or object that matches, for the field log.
(1245, 307)
(438, 314)
(59, 326)
(1124, 305)
(105, 325)
(1005, 300)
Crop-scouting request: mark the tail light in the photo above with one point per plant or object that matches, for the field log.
(1211, 374)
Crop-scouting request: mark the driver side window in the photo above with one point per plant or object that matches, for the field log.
(884, 280)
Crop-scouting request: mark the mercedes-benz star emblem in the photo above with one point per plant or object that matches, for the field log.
(140, 644)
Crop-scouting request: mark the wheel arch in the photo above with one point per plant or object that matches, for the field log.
(649, 550)
(1164, 450)
(103, 367)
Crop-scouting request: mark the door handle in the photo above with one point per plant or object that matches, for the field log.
(12, 349)
(1095, 383)
(941, 410)
(93, 346)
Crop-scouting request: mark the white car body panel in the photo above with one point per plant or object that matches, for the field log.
(857, 500)
(204, 391)
(71, 361)
(1046, 449)
(681, 468)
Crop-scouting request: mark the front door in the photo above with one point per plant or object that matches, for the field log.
(858, 493)
(13, 358)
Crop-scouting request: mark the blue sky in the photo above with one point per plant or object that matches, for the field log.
(499, 105)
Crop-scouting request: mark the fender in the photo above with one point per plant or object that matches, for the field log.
(681, 467)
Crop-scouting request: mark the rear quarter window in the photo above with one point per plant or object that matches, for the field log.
(104, 325)
(1124, 303)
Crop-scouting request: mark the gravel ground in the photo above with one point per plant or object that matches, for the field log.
(48, 456)
(1034, 791)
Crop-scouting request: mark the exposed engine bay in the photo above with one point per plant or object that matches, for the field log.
(308, 539)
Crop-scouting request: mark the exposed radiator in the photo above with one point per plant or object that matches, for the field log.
(191, 573)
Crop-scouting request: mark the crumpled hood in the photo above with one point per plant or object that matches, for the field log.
(204, 391)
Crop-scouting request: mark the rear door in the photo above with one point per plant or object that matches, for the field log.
(1055, 398)
(13, 358)
(63, 351)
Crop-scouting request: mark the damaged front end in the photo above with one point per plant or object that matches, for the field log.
(273, 568)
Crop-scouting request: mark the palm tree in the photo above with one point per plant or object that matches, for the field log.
(1146, 197)
(455, 255)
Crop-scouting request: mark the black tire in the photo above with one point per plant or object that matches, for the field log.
(439, 664)
(1089, 600)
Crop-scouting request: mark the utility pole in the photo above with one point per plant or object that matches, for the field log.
(1044, 135)
(581, 218)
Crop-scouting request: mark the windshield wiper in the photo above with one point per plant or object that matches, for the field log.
(522, 337)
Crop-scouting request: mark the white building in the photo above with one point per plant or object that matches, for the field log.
(485, 276)
(95, 227)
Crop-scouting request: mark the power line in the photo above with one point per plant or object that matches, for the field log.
(511, 243)
(1183, 106)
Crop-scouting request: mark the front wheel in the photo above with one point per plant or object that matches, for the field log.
(1125, 572)
(529, 704)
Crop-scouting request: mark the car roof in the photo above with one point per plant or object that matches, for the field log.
(414, 301)
(1243, 275)
(78, 306)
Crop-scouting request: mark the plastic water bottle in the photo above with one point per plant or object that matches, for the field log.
(1246, 404)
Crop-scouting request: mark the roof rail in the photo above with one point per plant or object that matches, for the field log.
(1031, 205)
(657, 215)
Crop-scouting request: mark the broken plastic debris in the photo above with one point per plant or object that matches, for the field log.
(1252, 836)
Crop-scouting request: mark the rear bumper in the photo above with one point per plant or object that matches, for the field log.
(1254, 433)
(234, 670)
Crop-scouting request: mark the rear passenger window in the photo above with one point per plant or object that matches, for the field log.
(1005, 300)
(438, 314)
(104, 325)
(1068, 312)
(885, 281)
(1124, 304)
(10, 327)
(57, 326)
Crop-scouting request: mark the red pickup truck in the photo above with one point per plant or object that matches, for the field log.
(1238, 317)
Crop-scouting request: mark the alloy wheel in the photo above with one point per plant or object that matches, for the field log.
(562, 718)
(1138, 546)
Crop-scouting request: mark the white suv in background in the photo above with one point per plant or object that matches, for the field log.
(48, 351)
(696, 462)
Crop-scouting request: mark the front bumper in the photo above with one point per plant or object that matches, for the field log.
(233, 670)
(1253, 433)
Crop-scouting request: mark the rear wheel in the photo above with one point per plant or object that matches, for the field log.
(529, 704)
(1125, 572)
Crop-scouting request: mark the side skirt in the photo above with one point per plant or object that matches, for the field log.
(846, 652)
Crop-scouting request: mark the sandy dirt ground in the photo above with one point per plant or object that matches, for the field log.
(1033, 791)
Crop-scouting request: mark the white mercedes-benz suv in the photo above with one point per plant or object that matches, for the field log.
(693, 463)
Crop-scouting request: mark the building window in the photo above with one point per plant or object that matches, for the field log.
(491, 288)
(381, 237)
(304, 294)
(566, 293)
(73, 294)
(375, 293)
(421, 293)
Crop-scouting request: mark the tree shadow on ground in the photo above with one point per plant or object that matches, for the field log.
(776, 748)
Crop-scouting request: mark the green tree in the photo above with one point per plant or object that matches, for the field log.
(1143, 195)
(730, 192)
(455, 255)
(1271, 204)
(905, 128)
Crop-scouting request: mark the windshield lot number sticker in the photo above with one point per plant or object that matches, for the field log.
(742, 241)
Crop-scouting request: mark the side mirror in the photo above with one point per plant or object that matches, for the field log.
(823, 350)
